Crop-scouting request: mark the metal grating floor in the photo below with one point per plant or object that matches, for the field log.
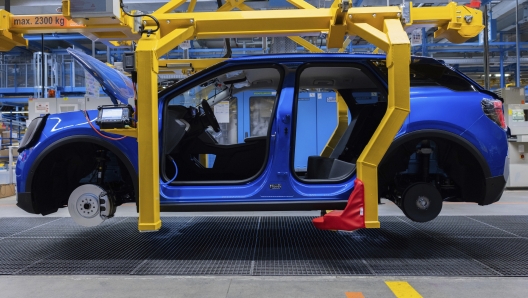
(267, 245)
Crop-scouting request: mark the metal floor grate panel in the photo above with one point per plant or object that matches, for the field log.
(266, 245)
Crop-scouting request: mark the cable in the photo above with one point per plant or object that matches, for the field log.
(175, 174)
(98, 132)
(141, 15)
(170, 181)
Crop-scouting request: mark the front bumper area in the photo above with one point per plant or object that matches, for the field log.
(26, 203)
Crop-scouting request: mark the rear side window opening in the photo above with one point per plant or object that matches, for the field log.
(318, 89)
(430, 73)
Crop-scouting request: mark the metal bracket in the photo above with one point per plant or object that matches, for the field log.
(344, 5)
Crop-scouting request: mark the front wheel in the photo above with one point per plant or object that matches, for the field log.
(89, 205)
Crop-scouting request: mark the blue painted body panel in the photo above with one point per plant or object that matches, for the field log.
(432, 108)
(58, 127)
(459, 113)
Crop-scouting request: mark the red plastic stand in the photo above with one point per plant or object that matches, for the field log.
(352, 218)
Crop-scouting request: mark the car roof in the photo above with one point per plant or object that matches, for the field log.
(296, 57)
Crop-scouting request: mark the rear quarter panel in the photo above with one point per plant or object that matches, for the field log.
(459, 113)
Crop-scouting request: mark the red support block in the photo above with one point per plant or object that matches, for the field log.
(352, 218)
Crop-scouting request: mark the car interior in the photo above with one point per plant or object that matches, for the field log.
(191, 131)
(366, 101)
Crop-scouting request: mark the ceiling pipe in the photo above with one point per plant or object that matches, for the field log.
(486, 47)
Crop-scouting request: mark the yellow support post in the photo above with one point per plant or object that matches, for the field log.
(192, 4)
(148, 51)
(147, 133)
(342, 125)
(398, 107)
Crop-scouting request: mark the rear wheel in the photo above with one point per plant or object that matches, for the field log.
(421, 202)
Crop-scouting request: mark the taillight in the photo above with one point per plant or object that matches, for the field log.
(493, 109)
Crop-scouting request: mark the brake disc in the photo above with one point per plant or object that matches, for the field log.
(89, 205)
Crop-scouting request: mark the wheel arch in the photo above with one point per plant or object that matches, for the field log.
(386, 169)
(79, 139)
(442, 134)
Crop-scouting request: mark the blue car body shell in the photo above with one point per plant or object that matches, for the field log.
(432, 108)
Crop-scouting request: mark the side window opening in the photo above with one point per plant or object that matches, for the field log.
(217, 130)
(324, 95)
(430, 73)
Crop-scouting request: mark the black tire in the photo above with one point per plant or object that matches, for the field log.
(421, 202)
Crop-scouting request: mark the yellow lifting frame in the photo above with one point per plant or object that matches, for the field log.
(380, 26)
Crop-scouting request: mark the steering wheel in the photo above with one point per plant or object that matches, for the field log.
(210, 116)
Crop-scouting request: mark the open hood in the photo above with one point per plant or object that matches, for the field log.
(118, 86)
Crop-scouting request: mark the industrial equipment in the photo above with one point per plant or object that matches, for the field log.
(114, 116)
(38, 107)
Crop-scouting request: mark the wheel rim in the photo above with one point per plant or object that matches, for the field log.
(87, 205)
(422, 202)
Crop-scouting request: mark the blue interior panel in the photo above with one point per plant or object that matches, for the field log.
(326, 118)
(306, 135)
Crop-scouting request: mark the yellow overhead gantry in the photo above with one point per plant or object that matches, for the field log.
(381, 26)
